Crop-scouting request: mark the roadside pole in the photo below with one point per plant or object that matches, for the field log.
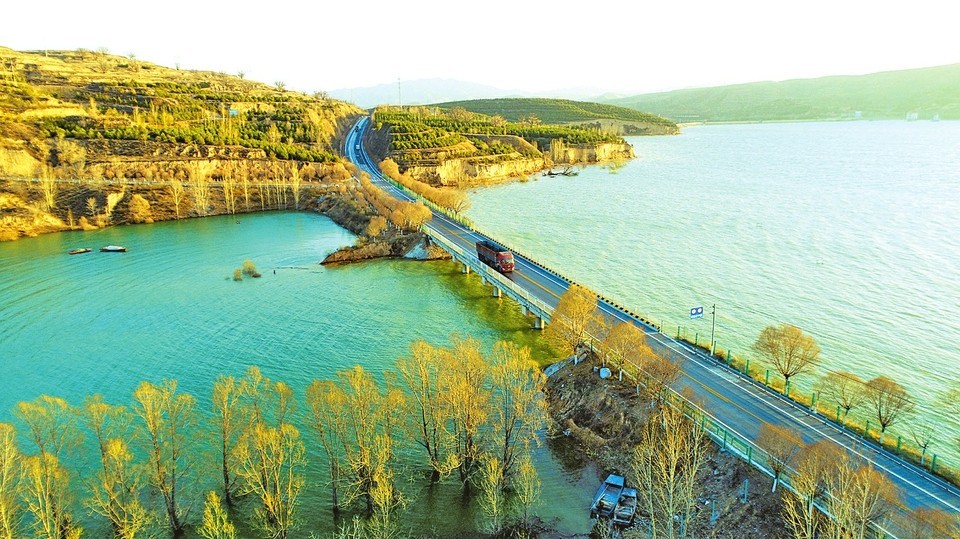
(713, 330)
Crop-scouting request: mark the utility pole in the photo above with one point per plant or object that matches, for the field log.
(399, 101)
(713, 330)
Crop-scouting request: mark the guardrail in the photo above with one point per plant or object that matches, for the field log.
(536, 306)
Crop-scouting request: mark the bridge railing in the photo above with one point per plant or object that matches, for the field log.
(537, 306)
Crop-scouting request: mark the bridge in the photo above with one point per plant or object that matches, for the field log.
(732, 406)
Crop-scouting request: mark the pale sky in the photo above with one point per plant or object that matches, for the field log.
(623, 46)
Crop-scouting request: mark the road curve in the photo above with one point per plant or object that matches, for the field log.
(739, 403)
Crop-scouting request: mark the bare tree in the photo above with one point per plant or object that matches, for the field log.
(518, 408)
(117, 491)
(296, 184)
(168, 420)
(809, 482)
(889, 400)
(271, 465)
(176, 193)
(11, 462)
(52, 426)
(327, 402)
(466, 393)
(216, 524)
(665, 464)
(228, 424)
(428, 417)
(788, 348)
(864, 496)
(781, 445)
(526, 487)
(846, 389)
(576, 314)
(491, 494)
(925, 523)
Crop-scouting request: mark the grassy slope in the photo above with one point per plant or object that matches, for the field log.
(554, 110)
(887, 95)
(86, 95)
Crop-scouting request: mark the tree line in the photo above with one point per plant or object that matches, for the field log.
(450, 198)
(463, 413)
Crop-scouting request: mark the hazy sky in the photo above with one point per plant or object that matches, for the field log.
(631, 46)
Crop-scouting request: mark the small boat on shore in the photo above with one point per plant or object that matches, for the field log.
(80, 251)
(113, 249)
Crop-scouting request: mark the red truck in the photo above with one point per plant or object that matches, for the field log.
(495, 256)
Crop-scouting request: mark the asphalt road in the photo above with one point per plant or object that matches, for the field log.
(739, 403)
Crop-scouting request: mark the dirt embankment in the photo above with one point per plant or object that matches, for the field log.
(390, 243)
(604, 419)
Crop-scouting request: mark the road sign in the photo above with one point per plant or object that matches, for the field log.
(696, 312)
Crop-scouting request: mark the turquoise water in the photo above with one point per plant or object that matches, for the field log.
(848, 230)
(72, 326)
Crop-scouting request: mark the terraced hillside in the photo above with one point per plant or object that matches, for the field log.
(565, 111)
(456, 146)
(122, 108)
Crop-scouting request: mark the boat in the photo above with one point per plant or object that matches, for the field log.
(80, 251)
(605, 501)
(626, 507)
(113, 249)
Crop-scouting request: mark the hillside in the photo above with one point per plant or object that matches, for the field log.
(88, 139)
(925, 92)
(565, 111)
(135, 109)
(459, 147)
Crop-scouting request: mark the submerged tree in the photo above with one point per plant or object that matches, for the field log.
(518, 409)
(427, 416)
(52, 427)
(11, 463)
(228, 423)
(168, 421)
(467, 396)
(216, 524)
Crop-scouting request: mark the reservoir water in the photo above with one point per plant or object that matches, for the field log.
(847, 230)
(73, 326)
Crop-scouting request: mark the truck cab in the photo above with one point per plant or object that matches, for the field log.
(505, 261)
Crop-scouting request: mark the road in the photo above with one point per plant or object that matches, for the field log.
(740, 404)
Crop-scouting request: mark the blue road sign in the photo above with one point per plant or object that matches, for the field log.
(696, 312)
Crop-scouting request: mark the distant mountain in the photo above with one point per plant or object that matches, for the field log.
(426, 91)
(926, 93)
(418, 92)
(564, 111)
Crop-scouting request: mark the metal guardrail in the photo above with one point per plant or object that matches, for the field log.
(536, 306)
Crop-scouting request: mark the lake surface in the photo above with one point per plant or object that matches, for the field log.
(72, 326)
(847, 230)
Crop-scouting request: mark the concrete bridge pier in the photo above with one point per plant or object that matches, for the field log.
(497, 293)
(540, 323)
(526, 311)
(466, 269)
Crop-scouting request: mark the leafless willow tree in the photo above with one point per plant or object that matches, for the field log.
(428, 418)
(168, 419)
(573, 319)
(846, 389)
(11, 463)
(788, 348)
(812, 473)
(890, 402)
(781, 445)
